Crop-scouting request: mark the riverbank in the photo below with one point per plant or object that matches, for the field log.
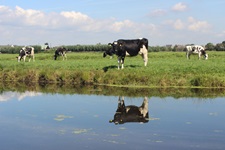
(164, 69)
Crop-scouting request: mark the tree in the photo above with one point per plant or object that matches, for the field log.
(223, 43)
(219, 47)
(209, 46)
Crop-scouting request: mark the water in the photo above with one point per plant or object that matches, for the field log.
(33, 120)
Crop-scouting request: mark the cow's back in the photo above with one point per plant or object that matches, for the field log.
(132, 47)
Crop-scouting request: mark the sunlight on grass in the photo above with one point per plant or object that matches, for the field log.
(164, 69)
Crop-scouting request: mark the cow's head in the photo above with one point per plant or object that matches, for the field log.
(111, 49)
(204, 54)
(144, 41)
(117, 119)
(22, 53)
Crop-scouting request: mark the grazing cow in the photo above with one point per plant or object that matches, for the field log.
(26, 52)
(131, 113)
(196, 49)
(60, 51)
(124, 48)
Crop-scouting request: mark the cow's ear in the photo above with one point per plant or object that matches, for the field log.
(110, 44)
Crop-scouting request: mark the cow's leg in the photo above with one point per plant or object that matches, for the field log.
(65, 56)
(121, 102)
(145, 58)
(199, 55)
(144, 54)
(187, 55)
(206, 56)
(122, 62)
(31, 57)
(24, 58)
(144, 107)
(119, 62)
(19, 58)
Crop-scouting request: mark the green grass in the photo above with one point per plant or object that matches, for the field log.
(164, 69)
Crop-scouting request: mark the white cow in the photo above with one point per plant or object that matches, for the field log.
(26, 52)
(196, 49)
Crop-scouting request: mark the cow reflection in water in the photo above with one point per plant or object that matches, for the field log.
(131, 113)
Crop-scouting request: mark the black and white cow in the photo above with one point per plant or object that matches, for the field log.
(123, 48)
(131, 113)
(60, 51)
(196, 49)
(26, 51)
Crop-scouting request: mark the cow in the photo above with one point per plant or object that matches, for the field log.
(131, 113)
(196, 49)
(60, 51)
(123, 48)
(26, 51)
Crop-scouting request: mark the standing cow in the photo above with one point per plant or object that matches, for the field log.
(60, 51)
(26, 51)
(196, 49)
(131, 113)
(124, 48)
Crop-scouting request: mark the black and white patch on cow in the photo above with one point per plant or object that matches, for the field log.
(123, 48)
(131, 113)
(196, 49)
(26, 51)
(61, 51)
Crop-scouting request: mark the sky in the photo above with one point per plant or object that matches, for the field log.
(72, 22)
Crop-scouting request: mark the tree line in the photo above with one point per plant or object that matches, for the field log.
(102, 47)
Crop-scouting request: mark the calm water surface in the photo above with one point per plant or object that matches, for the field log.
(37, 121)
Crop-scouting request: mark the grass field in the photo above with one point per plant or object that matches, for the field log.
(164, 69)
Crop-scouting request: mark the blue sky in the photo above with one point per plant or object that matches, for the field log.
(70, 22)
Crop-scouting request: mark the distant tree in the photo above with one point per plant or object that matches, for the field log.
(223, 43)
(209, 46)
(178, 48)
(220, 47)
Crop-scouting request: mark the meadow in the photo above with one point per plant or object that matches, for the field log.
(164, 69)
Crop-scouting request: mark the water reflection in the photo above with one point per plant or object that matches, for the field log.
(131, 113)
(108, 90)
(6, 96)
(53, 121)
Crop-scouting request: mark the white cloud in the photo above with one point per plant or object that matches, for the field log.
(178, 24)
(179, 7)
(65, 19)
(75, 17)
(119, 25)
(27, 24)
(196, 25)
(6, 96)
(157, 13)
(189, 24)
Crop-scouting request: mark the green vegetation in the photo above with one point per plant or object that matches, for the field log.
(164, 69)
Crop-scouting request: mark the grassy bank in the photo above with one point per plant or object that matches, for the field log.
(165, 69)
